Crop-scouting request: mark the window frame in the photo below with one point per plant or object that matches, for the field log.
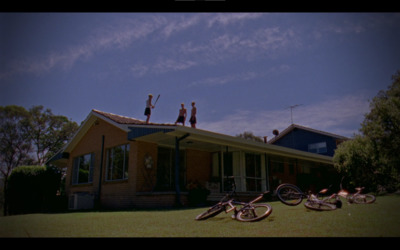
(76, 169)
(165, 176)
(254, 168)
(318, 147)
(110, 167)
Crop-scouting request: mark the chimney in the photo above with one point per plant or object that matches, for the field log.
(265, 139)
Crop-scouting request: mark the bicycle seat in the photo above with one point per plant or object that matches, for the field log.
(323, 191)
(359, 188)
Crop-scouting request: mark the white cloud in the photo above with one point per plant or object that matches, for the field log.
(167, 65)
(242, 76)
(122, 33)
(229, 18)
(120, 36)
(340, 116)
(162, 65)
(225, 79)
(181, 24)
(249, 45)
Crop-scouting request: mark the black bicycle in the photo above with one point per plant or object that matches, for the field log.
(291, 195)
(248, 211)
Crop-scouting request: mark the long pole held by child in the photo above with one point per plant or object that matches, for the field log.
(156, 100)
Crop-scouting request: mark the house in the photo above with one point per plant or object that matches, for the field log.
(115, 161)
(308, 140)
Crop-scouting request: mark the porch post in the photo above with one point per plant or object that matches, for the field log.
(177, 163)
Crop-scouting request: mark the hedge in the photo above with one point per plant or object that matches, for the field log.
(33, 189)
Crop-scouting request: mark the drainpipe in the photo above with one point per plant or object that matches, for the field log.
(101, 173)
(177, 187)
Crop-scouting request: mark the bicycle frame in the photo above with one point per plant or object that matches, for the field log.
(350, 197)
(248, 212)
(232, 202)
(291, 195)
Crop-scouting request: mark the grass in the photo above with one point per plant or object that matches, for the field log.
(375, 220)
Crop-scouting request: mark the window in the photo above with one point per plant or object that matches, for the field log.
(83, 169)
(291, 168)
(278, 167)
(253, 172)
(318, 148)
(166, 169)
(117, 163)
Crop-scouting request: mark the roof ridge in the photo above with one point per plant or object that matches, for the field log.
(120, 119)
(294, 125)
(319, 131)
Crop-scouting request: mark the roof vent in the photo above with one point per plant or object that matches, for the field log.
(275, 132)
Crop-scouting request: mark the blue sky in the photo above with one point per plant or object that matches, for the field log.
(243, 70)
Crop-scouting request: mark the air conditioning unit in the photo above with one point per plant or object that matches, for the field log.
(79, 201)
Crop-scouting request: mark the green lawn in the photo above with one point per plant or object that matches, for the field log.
(375, 220)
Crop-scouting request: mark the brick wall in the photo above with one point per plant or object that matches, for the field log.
(198, 166)
(113, 193)
(145, 176)
(137, 190)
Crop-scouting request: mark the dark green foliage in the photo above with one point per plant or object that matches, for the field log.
(30, 137)
(33, 189)
(373, 158)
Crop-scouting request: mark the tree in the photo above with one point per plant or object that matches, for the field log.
(354, 160)
(14, 143)
(30, 137)
(382, 125)
(372, 159)
(250, 136)
(48, 132)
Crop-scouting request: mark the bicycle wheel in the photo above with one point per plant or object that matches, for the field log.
(289, 194)
(319, 206)
(254, 212)
(364, 198)
(211, 212)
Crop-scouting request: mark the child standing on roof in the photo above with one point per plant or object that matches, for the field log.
(192, 119)
(149, 106)
(182, 115)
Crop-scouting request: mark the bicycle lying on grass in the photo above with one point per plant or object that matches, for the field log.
(291, 195)
(248, 212)
(357, 198)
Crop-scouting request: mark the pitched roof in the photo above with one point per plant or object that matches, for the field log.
(202, 137)
(119, 118)
(293, 126)
(126, 120)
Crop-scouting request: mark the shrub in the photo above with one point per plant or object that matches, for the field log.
(32, 189)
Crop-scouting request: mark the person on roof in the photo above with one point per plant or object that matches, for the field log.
(182, 115)
(149, 106)
(192, 119)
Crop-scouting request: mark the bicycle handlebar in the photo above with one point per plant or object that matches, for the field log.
(261, 196)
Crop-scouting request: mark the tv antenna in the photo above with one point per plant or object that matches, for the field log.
(291, 111)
